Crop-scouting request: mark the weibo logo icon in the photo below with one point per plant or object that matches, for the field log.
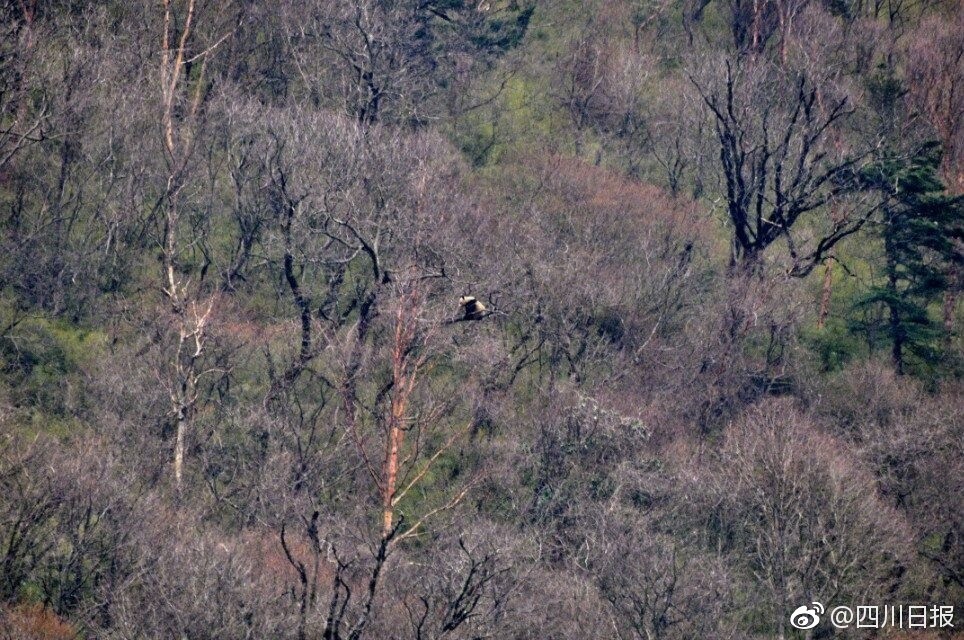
(806, 617)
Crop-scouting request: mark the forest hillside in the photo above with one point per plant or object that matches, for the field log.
(464, 319)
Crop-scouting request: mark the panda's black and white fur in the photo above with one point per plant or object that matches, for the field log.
(474, 310)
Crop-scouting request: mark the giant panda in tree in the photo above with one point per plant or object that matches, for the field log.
(472, 309)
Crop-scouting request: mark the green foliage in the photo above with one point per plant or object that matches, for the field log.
(506, 31)
(42, 360)
(919, 229)
(574, 416)
(522, 122)
(834, 345)
(885, 90)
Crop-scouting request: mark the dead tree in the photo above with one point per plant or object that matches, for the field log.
(779, 165)
(181, 106)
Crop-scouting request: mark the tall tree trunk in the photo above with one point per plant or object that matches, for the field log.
(755, 39)
(179, 450)
(403, 382)
(826, 293)
(949, 309)
(391, 473)
(896, 328)
(897, 348)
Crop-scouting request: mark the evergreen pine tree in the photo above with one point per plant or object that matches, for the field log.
(921, 231)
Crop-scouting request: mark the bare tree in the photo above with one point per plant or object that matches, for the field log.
(181, 118)
(26, 512)
(805, 522)
(391, 62)
(412, 439)
(237, 395)
(911, 441)
(23, 122)
(667, 591)
(778, 163)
